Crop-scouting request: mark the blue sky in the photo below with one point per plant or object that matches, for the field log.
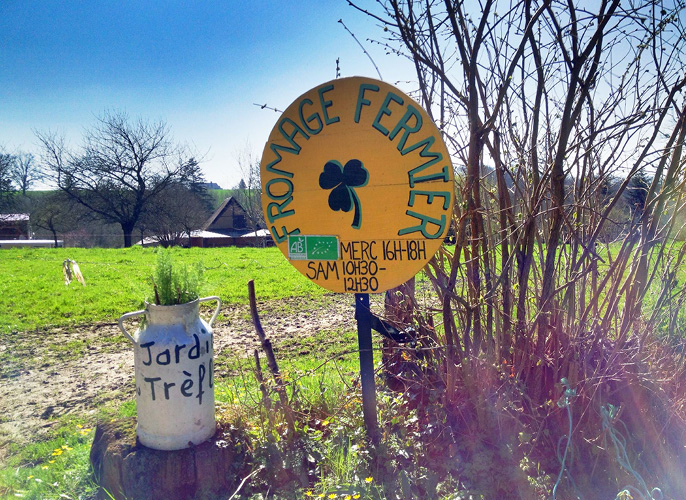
(198, 65)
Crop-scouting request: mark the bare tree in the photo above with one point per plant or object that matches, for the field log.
(55, 212)
(26, 171)
(6, 187)
(174, 214)
(249, 190)
(121, 167)
(559, 99)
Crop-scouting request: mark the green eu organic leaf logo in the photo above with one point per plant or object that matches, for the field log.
(342, 181)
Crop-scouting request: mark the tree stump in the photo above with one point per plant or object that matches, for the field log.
(125, 469)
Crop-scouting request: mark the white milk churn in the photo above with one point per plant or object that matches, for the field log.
(174, 363)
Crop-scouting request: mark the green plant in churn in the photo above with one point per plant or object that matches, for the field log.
(175, 285)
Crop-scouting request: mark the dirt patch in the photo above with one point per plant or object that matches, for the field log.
(63, 371)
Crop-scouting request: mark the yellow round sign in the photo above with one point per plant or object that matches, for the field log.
(357, 186)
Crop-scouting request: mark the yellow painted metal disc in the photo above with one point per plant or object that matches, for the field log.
(357, 185)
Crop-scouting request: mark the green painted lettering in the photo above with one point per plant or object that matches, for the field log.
(276, 196)
(403, 124)
(430, 195)
(270, 166)
(425, 221)
(290, 136)
(275, 210)
(426, 152)
(327, 104)
(443, 175)
(314, 117)
(361, 101)
(384, 110)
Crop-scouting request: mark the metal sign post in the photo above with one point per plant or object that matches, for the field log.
(364, 339)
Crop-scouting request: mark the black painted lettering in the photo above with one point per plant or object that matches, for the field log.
(358, 250)
(317, 270)
(361, 284)
(332, 267)
(421, 255)
(194, 351)
(312, 273)
(163, 358)
(151, 381)
(400, 250)
(177, 351)
(147, 346)
(322, 270)
(412, 250)
(201, 377)
(346, 248)
(373, 267)
(368, 250)
(186, 386)
(355, 254)
(387, 254)
(167, 386)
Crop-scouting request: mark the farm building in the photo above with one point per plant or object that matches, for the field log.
(228, 226)
(16, 232)
(14, 227)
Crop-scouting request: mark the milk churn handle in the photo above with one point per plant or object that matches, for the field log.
(216, 311)
(125, 317)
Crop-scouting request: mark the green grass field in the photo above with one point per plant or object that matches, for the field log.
(320, 369)
(33, 294)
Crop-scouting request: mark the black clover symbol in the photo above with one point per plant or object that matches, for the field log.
(342, 181)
